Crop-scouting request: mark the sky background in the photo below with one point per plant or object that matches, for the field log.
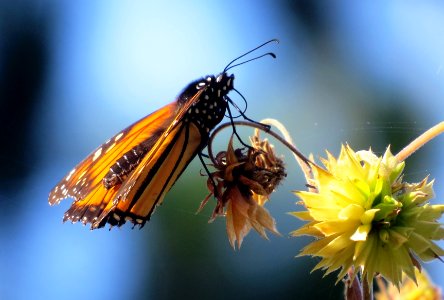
(74, 73)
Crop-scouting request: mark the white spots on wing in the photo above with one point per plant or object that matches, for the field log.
(110, 147)
(218, 93)
(70, 174)
(97, 154)
(219, 78)
(196, 110)
(118, 137)
(80, 184)
(83, 174)
(116, 216)
(55, 197)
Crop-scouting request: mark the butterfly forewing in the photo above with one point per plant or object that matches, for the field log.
(87, 176)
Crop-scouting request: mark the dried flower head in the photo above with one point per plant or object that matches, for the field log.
(364, 216)
(423, 289)
(244, 181)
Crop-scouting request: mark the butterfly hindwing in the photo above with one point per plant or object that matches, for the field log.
(155, 175)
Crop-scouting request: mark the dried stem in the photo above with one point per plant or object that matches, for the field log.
(303, 161)
(420, 141)
(367, 289)
(353, 289)
(306, 168)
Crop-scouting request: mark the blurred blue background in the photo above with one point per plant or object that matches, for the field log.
(73, 73)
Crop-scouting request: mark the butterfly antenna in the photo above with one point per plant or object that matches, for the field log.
(229, 66)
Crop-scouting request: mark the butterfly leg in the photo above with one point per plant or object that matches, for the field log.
(204, 155)
(234, 129)
(242, 113)
(200, 154)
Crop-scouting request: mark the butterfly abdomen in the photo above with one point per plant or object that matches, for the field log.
(123, 166)
(120, 170)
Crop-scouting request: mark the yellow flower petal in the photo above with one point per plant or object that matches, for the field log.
(361, 233)
(351, 212)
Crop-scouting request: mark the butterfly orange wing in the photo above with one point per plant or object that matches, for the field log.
(97, 205)
(84, 182)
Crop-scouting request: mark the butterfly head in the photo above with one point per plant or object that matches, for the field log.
(216, 86)
(225, 82)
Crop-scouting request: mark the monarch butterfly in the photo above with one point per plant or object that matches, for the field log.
(127, 177)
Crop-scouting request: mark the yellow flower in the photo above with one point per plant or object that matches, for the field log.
(424, 289)
(364, 216)
(244, 181)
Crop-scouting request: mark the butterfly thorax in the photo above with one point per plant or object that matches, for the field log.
(209, 109)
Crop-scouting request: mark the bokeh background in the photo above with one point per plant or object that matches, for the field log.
(73, 73)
